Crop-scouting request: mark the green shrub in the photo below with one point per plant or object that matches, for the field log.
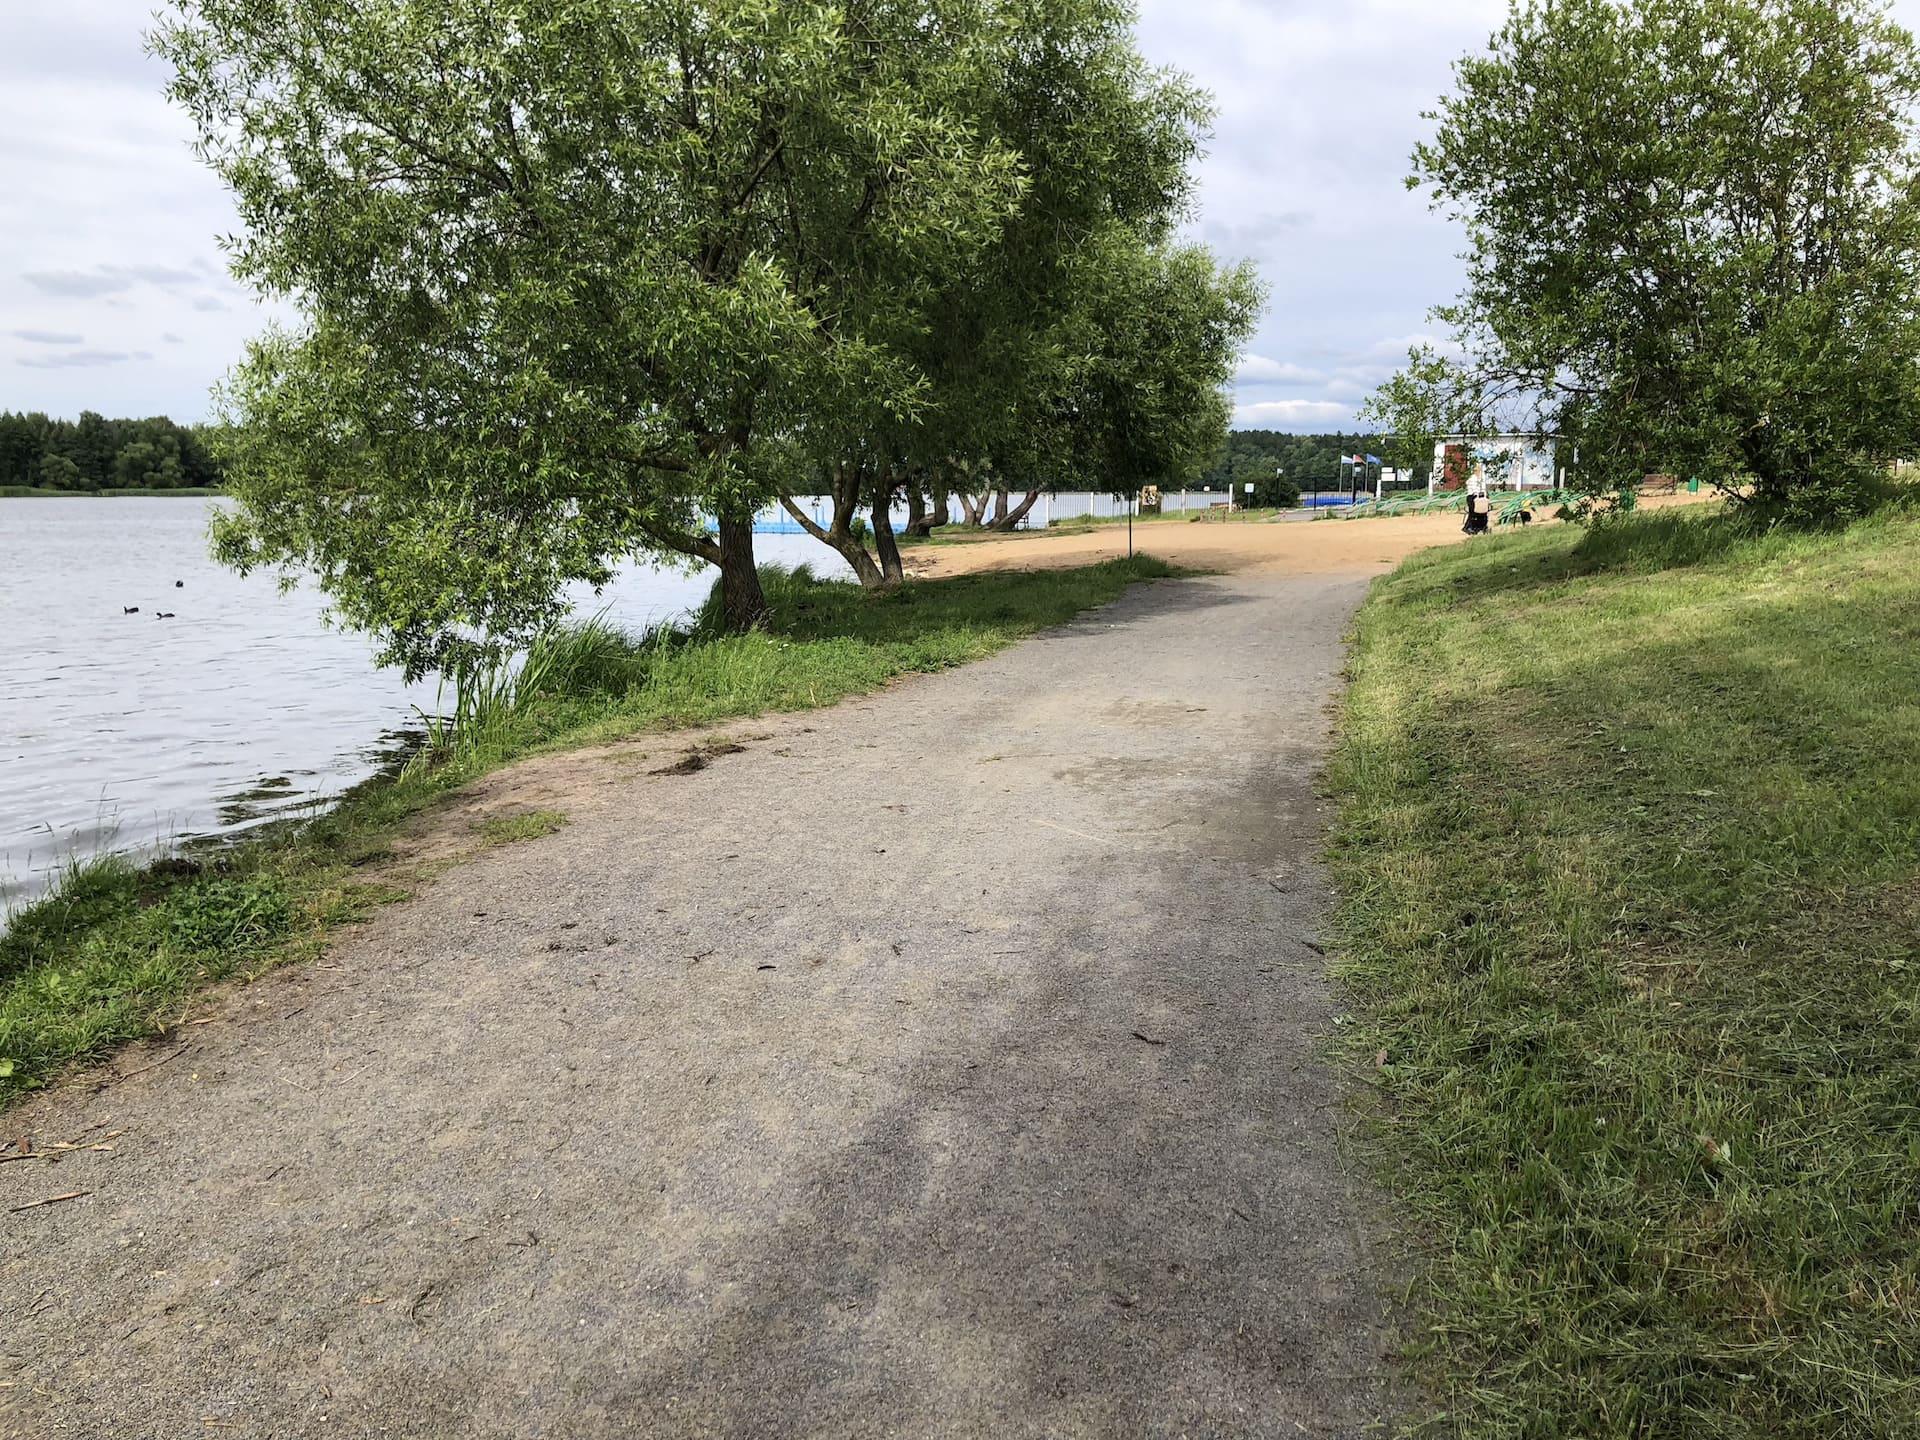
(217, 916)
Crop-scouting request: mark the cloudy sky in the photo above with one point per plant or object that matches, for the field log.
(113, 296)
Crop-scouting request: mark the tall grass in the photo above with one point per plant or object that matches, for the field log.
(788, 590)
(1629, 859)
(595, 660)
(588, 658)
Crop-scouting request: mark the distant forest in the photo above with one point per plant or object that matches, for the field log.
(94, 453)
(1310, 461)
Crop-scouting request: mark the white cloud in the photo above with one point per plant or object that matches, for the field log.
(112, 225)
(1394, 349)
(1261, 237)
(77, 283)
(1319, 111)
(1294, 415)
(75, 359)
(1259, 370)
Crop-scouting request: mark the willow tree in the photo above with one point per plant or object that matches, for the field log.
(1144, 401)
(1694, 240)
(568, 277)
(1021, 341)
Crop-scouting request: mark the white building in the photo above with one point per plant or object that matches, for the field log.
(1505, 462)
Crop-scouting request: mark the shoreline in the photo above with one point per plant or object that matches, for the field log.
(115, 949)
(282, 890)
(732, 1100)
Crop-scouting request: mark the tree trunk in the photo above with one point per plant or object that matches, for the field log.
(942, 509)
(970, 505)
(742, 602)
(1773, 477)
(846, 484)
(839, 538)
(999, 508)
(1013, 517)
(919, 522)
(892, 571)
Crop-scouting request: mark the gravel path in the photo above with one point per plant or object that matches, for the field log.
(940, 1065)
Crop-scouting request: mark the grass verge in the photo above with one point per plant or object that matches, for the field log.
(1629, 858)
(117, 952)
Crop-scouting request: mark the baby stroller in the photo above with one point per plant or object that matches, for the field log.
(1479, 515)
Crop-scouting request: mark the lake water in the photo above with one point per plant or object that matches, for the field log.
(128, 732)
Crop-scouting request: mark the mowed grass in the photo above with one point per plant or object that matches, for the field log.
(118, 952)
(1629, 858)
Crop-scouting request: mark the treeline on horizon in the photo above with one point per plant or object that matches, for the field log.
(1309, 462)
(94, 454)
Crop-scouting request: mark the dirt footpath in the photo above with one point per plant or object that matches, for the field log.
(1297, 546)
(944, 1064)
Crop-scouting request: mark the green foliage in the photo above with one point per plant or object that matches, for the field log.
(95, 454)
(232, 915)
(574, 279)
(85, 892)
(1088, 339)
(111, 950)
(1695, 243)
(1150, 407)
(569, 277)
(1084, 339)
(789, 589)
(1311, 462)
(1629, 862)
(585, 659)
(1421, 405)
(512, 829)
